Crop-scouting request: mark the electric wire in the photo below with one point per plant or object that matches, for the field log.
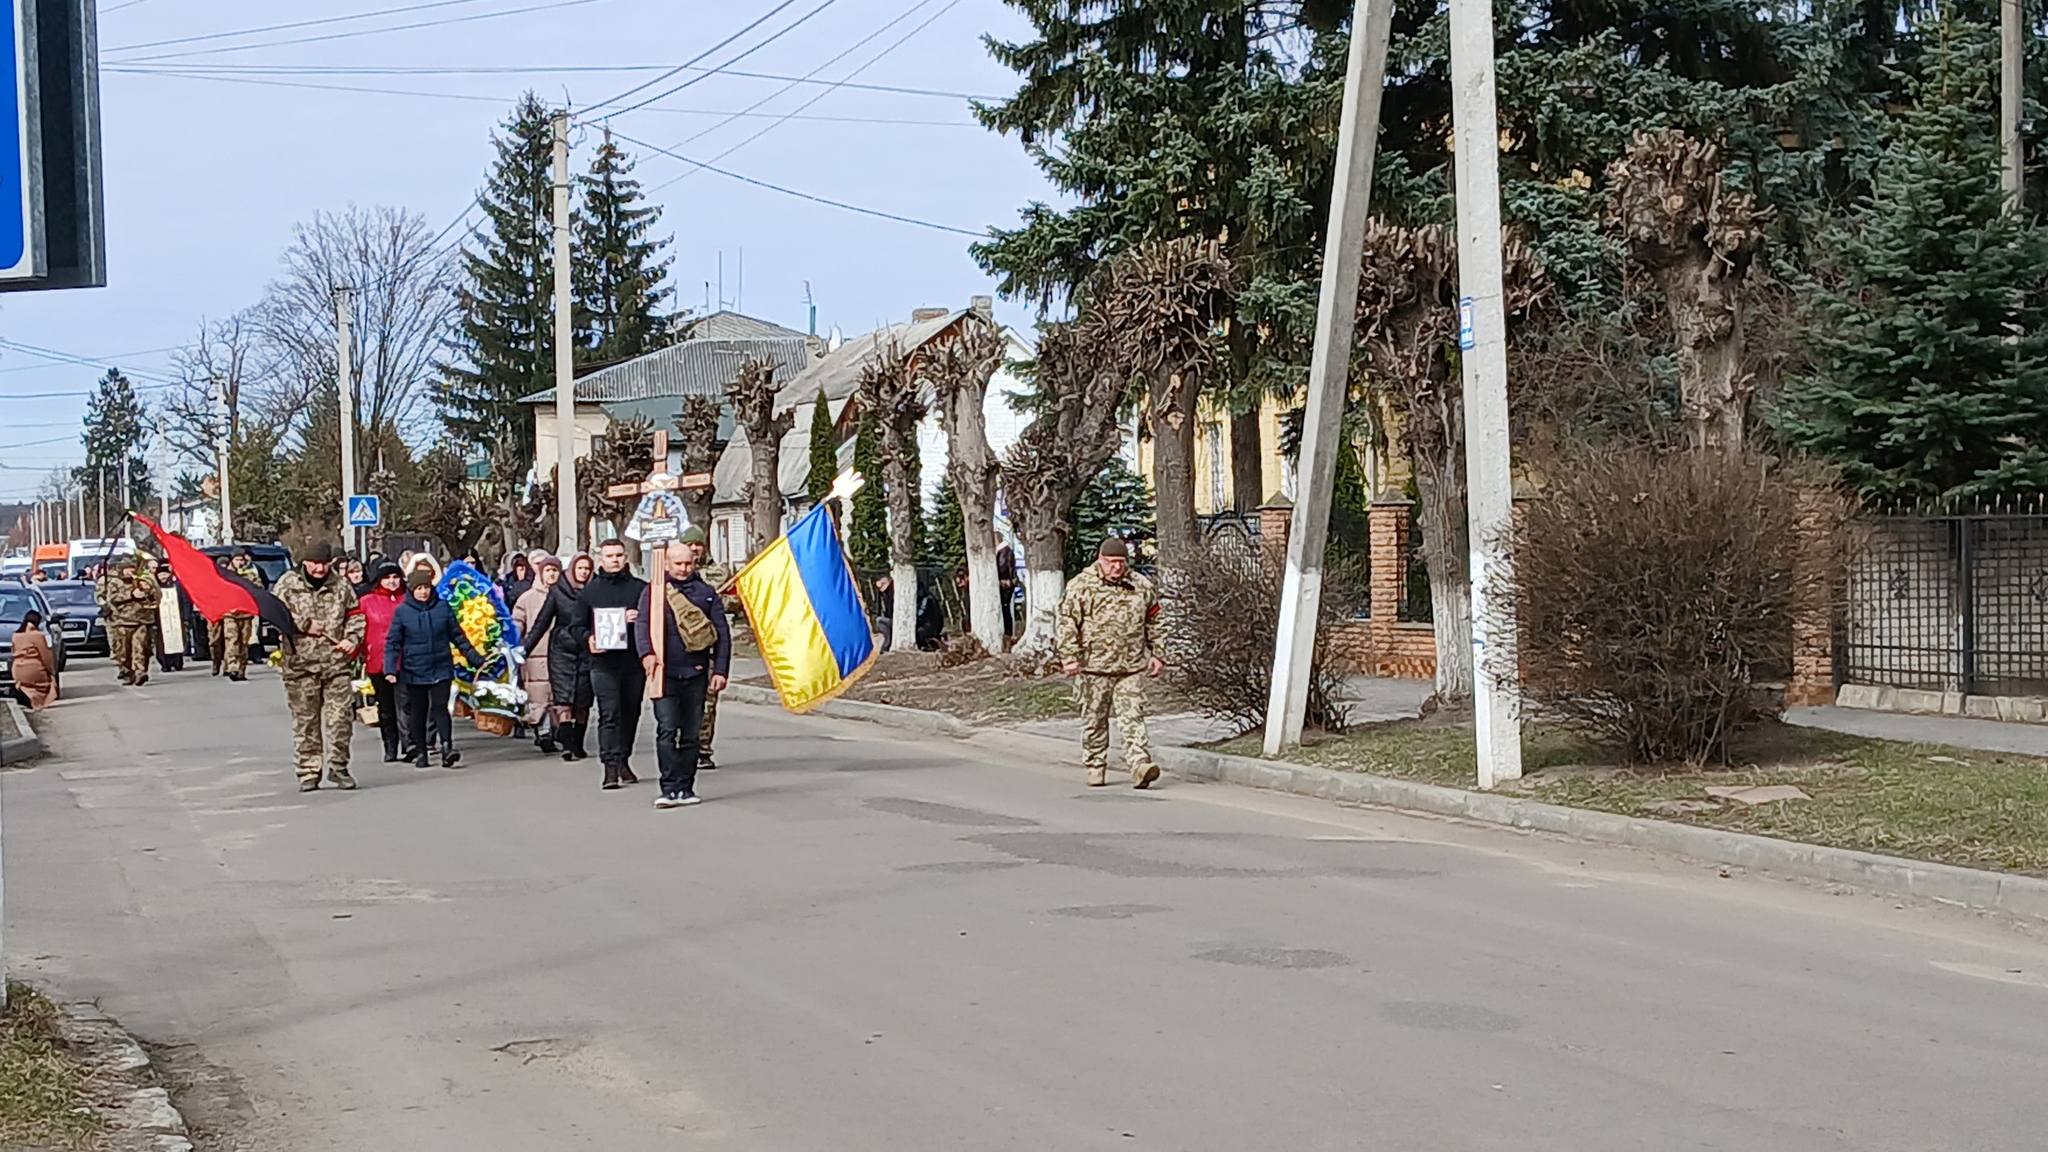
(213, 67)
(288, 27)
(670, 91)
(550, 5)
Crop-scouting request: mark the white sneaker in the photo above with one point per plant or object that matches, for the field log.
(667, 802)
(687, 799)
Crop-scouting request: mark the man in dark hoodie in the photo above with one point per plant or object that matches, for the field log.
(696, 654)
(617, 681)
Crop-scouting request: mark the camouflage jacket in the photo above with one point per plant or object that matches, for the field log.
(130, 596)
(1106, 625)
(325, 616)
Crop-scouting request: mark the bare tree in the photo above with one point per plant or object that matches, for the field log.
(212, 374)
(1697, 241)
(1159, 306)
(1077, 399)
(1407, 318)
(403, 302)
(752, 395)
(889, 388)
(958, 369)
(623, 458)
(697, 434)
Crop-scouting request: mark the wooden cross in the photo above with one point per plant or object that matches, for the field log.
(659, 479)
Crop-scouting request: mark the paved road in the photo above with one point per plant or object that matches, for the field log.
(868, 942)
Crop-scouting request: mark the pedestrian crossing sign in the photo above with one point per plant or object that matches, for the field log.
(365, 511)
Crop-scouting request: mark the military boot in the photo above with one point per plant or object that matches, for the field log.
(1097, 777)
(341, 779)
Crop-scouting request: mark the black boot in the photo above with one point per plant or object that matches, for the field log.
(449, 756)
(544, 740)
(573, 737)
(611, 776)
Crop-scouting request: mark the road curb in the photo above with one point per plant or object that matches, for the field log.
(2021, 895)
(915, 719)
(16, 749)
(2024, 895)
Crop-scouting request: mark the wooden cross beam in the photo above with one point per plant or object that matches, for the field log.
(659, 478)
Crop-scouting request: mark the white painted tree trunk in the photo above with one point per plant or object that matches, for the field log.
(903, 616)
(1043, 589)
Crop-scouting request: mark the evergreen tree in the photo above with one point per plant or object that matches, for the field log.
(619, 268)
(113, 437)
(504, 341)
(868, 532)
(1115, 502)
(824, 451)
(945, 533)
(1932, 362)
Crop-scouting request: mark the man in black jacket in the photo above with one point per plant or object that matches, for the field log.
(696, 654)
(616, 680)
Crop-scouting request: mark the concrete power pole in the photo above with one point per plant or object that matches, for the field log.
(1482, 338)
(568, 536)
(344, 354)
(2012, 76)
(226, 453)
(1329, 371)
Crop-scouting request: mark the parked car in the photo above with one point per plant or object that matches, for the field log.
(273, 561)
(83, 630)
(15, 602)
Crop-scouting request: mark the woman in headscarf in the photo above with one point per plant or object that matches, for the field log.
(564, 622)
(35, 666)
(379, 600)
(534, 673)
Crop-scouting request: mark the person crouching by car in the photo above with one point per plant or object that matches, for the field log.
(416, 658)
(35, 665)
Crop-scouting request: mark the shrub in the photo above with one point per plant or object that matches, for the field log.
(1218, 635)
(1654, 590)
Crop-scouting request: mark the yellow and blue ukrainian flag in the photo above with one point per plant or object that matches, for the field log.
(805, 608)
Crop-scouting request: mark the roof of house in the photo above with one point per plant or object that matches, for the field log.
(701, 365)
(837, 373)
(733, 475)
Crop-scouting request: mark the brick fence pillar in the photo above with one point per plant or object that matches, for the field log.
(1387, 524)
(1813, 631)
(1276, 517)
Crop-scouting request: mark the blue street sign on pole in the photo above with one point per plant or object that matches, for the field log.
(365, 511)
(20, 190)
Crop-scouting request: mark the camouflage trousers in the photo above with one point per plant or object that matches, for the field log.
(709, 727)
(323, 718)
(1125, 696)
(129, 644)
(227, 641)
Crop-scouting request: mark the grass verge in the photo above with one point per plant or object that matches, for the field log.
(42, 1089)
(1920, 801)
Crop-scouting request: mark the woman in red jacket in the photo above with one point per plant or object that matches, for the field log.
(386, 590)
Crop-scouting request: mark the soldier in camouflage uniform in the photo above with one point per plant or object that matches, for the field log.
(129, 597)
(716, 575)
(319, 666)
(1105, 639)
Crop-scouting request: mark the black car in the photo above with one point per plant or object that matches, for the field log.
(15, 602)
(83, 629)
(272, 561)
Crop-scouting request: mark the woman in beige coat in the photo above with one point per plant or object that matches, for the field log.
(533, 674)
(35, 666)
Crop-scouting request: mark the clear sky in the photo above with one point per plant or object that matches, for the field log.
(215, 147)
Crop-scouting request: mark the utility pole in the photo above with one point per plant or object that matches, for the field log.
(99, 496)
(2012, 75)
(225, 455)
(344, 352)
(163, 478)
(1483, 362)
(568, 537)
(1301, 592)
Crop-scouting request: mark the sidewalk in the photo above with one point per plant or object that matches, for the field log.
(1955, 731)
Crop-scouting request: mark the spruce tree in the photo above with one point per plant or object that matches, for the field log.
(1932, 360)
(619, 267)
(114, 436)
(824, 451)
(1116, 502)
(945, 533)
(868, 533)
(504, 341)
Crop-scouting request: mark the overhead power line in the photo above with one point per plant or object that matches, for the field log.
(287, 27)
(81, 361)
(212, 67)
(360, 32)
(699, 57)
(840, 204)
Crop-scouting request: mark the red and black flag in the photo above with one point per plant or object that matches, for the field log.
(214, 591)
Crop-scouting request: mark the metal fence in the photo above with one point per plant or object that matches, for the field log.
(1949, 601)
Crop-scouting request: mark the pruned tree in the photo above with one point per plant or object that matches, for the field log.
(889, 389)
(1407, 327)
(958, 369)
(1157, 313)
(696, 428)
(1077, 399)
(622, 458)
(1696, 240)
(752, 395)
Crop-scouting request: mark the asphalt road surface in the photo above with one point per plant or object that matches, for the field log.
(866, 941)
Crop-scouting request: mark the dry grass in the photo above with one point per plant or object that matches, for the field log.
(42, 1088)
(1920, 801)
(986, 691)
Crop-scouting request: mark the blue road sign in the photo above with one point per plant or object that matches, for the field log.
(1468, 331)
(365, 511)
(19, 194)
